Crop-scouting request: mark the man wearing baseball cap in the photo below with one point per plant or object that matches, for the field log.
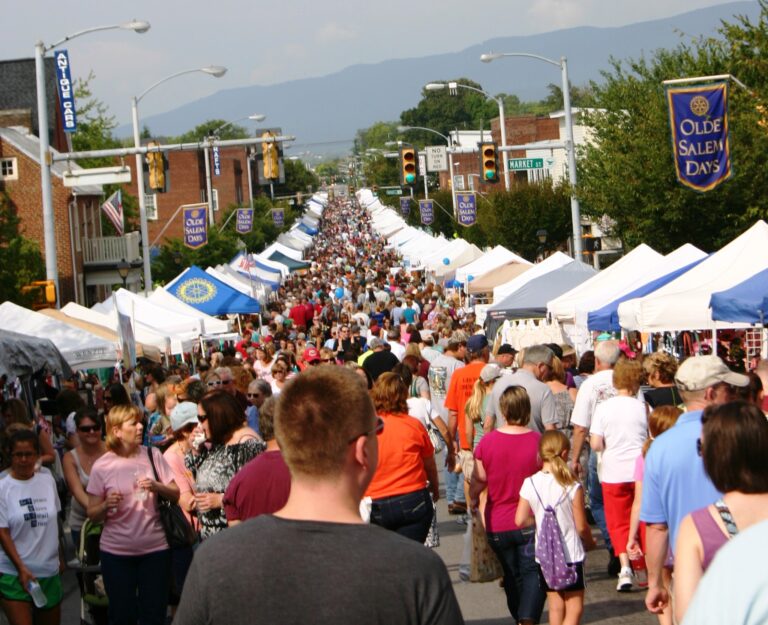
(675, 483)
(505, 356)
(310, 357)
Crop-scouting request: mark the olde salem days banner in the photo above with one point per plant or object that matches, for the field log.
(698, 116)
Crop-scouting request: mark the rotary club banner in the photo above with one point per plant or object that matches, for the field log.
(698, 117)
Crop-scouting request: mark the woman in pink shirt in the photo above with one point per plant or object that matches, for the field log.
(122, 494)
(503, 459)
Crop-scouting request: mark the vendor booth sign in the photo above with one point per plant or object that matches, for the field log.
(698, 117)
(195, 226)
(426, 209)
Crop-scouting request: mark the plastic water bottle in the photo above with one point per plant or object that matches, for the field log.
(637, 561)
(38, 596)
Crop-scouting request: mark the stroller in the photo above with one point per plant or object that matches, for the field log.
(93, 598)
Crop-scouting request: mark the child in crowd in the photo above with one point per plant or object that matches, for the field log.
(556, 486)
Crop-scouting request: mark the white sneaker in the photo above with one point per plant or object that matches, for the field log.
(626, 579)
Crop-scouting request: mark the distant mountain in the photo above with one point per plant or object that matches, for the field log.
(326, 111)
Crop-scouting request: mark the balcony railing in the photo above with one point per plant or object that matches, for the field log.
(105, 250)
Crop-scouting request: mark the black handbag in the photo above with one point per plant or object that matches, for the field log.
(178, 530)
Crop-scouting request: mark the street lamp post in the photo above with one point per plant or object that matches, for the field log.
(570, 145)
(450, 156)
(213, 70)
(436, 86)
(123, 269)
(49, 219)
(257, 117)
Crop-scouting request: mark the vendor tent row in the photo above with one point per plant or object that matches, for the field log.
(170, 320)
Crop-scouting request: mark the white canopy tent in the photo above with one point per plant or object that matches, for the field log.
(161, 298)
(81, 349)
(457, 252)
(683, 304)
(415, 250)
(403, 236)
(276, 267)
(489, 261)
(283, 249)
(550, 263)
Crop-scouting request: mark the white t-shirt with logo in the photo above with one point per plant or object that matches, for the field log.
(623, 424)
(29, 508)
(551, 492)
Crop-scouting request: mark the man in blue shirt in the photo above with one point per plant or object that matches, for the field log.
(674, 483)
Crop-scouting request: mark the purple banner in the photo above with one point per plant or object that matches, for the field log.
(195, 226)
(426, 208)
(244, 220)
(278, 217)
(405, 206)
(466, 208)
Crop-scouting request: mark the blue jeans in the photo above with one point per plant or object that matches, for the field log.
(596, 499)
(454, 487)
(409, 515)
(137, 587)
(515, 550)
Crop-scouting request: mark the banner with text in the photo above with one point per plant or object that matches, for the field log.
(216, 161)
(466, 207)
(244, 220)
(196, 226)
(405, 206)
(698, 117)
(426, 209)
(66, 91)
(278, 217)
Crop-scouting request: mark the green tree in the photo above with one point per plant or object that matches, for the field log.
(627, 172)
(199, 132)
(375, 136)
(20, 258)
(298, 179)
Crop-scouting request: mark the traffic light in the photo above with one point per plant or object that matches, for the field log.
(489, 162)
(156, 168)
(271, 158)
(407, 165)
(43, 292)
(592, 243)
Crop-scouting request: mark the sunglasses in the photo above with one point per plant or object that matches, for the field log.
(216, 383)
(378, 429)
(202, 418)
(254, 394)
(88, 428)
(225, 382)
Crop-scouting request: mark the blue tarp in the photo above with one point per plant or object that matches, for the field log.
(202, 291)
(747, 302)
(307, 229)
(607, 318)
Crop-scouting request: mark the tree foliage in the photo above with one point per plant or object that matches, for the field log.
(209, 127)
(20, 258)
(627, 173)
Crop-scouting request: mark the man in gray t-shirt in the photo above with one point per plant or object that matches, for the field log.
(537, 362)
(315, 560)
(440, 371)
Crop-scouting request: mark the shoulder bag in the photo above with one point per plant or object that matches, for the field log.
(178, 531)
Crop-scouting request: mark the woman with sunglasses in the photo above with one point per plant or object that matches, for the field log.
(30, 551)
(77, 466)
(406, 473)
(229, 445)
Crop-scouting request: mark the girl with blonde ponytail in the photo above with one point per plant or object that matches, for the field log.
(556, 486)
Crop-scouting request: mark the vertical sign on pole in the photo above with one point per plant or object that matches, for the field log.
(466, 207)
(426, 208)
(216, 161)
(405, 206)
(66, 91)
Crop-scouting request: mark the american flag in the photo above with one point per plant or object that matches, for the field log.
(113, 208)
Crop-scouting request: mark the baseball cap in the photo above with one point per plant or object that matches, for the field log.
(476, 342)
(700, 372)
(506, 349)
(182, 414)
(490, 372)
(311, 355)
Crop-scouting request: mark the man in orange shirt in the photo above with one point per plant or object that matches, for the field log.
(460, 390)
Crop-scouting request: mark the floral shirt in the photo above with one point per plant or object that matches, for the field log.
(213, 469)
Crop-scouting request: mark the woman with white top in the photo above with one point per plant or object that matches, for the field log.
(618, 431)
(77, 465)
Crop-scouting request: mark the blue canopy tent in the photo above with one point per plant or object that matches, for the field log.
(207, 294)
(293, 265)
(606, 319)
(747, 302)
(530, 300)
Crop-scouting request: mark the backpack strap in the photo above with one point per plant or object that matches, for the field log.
(559, 501)
(727, 518)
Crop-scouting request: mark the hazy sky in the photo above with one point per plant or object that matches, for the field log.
(267, 42)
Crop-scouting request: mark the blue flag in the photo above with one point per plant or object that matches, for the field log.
(698, 117)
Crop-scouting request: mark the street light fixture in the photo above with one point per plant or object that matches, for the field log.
(124, 268)
(49, 219)
(213, 70)
(257, 117)
(452, 86)
(450, 156)
(570, 146)
(541, 235)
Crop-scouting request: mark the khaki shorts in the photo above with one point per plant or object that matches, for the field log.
(467, 462)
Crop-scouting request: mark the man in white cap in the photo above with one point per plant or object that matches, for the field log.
(674, 482)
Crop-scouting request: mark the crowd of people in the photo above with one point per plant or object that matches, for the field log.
(361, 395)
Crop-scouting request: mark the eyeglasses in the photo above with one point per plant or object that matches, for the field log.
(88, 428)
(254, 394)
(226, 382)
(215, 383)
(378, 429)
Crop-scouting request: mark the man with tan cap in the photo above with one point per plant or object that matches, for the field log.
(675, 483)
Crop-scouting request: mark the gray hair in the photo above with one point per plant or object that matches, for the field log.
(262, 386)
(607, 352)
(221, 370)
(537, 355)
